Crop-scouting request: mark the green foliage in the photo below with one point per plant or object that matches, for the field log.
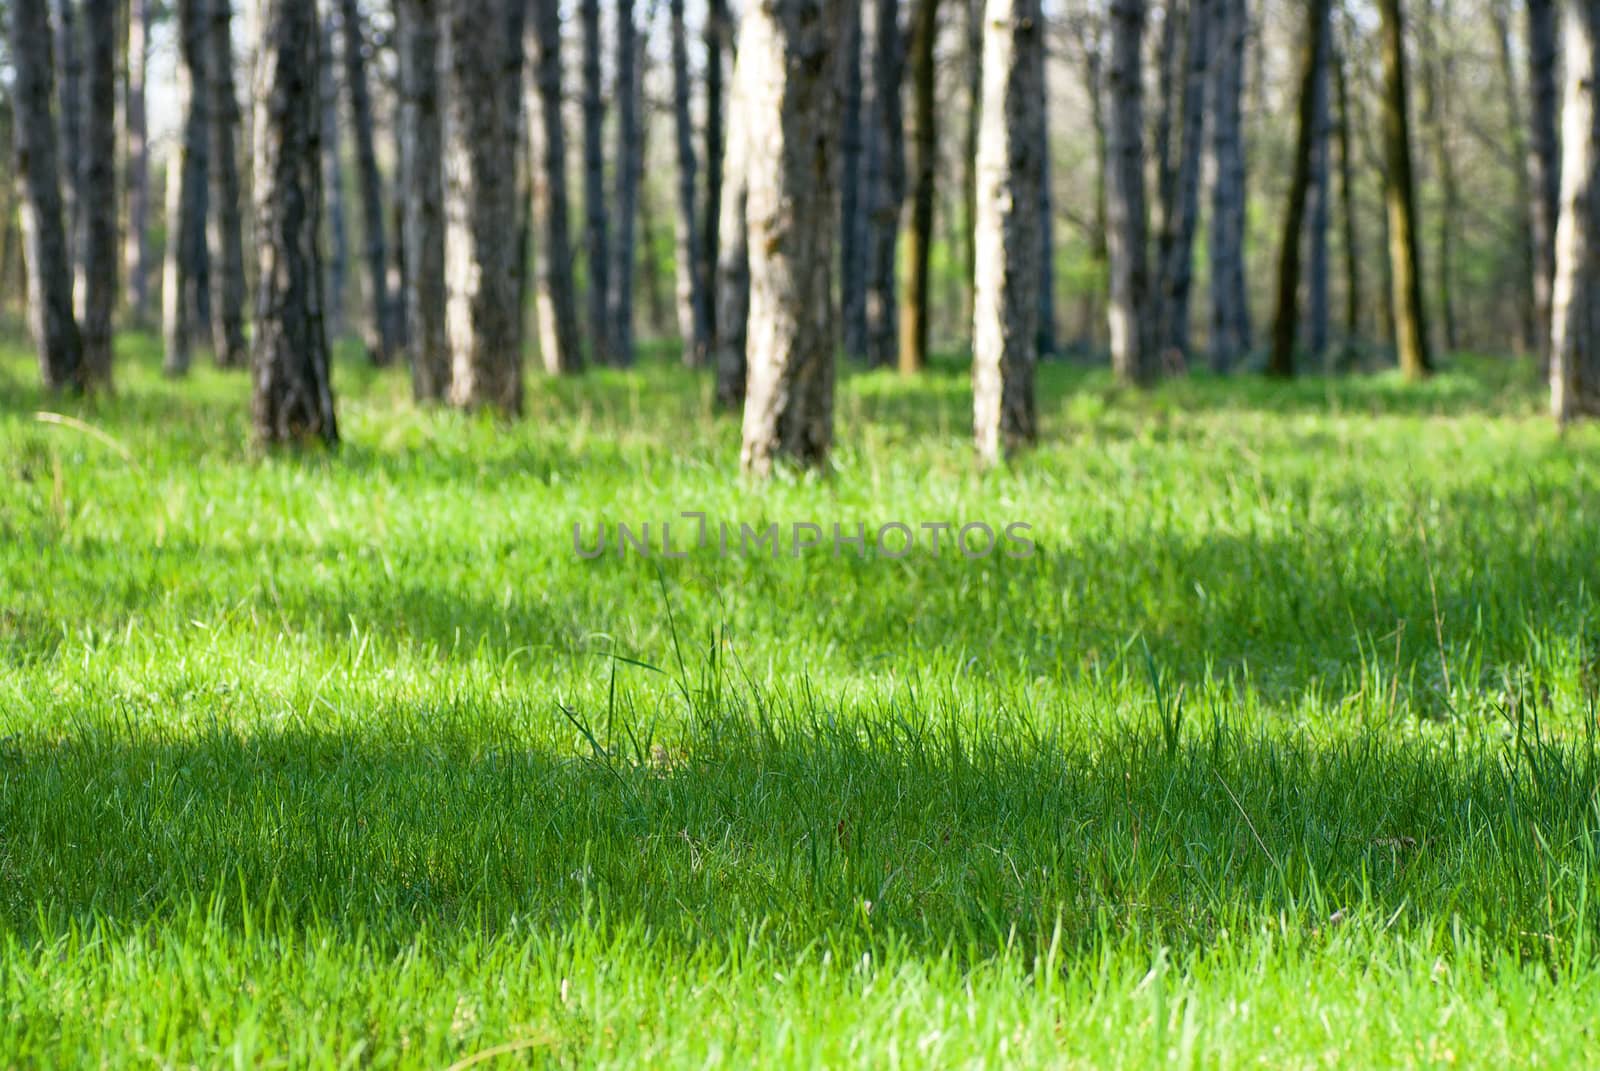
(1279, 751)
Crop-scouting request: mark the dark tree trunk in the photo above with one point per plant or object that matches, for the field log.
(480, 203)
(422, 194)
(852, 205)
(1005, 327)
(788, 411)
(1047, 227)
(338, 268)
(1405, 258)
(136, 251)
(884, 183)
(226, 222)
(380, 328)
(694, 319)
(38, 167)
(1319, 197)
(1347, 199)
(925, 150)
(69, 61)
(1282, 359)
(1230, 297)
(97, 266)
(733, 253)
(1132, 354)
(186, 301)
(628, 165)
(293, 395)
(597, 241)
(1175, 244)
(973, 56)
(556, 300)
(1544, 160)
(716, 32)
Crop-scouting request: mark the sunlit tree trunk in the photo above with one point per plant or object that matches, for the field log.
(292, 399)
(1131, 349)
(1005, 325)
(556, 297)
(1230, 298)
(38, 170)
(790, 97)
(1405, 259)
(924, 150)
(422, 192)
(226, 223)
(1575, 328)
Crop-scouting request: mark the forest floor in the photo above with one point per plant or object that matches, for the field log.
(1280, 750)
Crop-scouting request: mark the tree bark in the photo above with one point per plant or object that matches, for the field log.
(69, 61)
(1575, 327)
(480, 203)
(925, 150)
(185, 300)
(1516, 134)
(852, 203)
(1405, 260)
(1348, 213)
(338, 267)
(97, 265)
(1544, 161)
(1005, 327)
(380, 327)
(136, 251)
(38, 168)
(1282, 360)
(884, 182)
(292, 401)
(1319, 195)
(556, 299)
(1175, 245)
(628, 164)
(716, 32)
(791, 209)
(1046, 341)
(1132, 355)
(1437, 80)
(694, 317)
(733, 252)
(597, 241)
(226, 226)
(973, 70)
(1230, 297)
(422, 181)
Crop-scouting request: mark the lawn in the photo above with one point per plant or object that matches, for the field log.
(1279, 751)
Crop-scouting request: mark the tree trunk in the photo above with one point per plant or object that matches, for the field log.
(924, 149)
(422, 181)
(884, 182)
(1282, 360)
(69, 61)
(225, 223)
(716, 31)
(1005, 327)
(338, 268)
(1435, 118)
(1046, 342)
(733, 252)
(1131, 351)
(38, 167)
(1544, 161)
(292, 400)
(1575, 328)
(1230, 297)
(694, 320)
(185, 302)
(1347, 199)
(973, 56)
(597, 242)
(1319, 196)
(1175, 245)
(480, 203)
(136, 251)
(97, 265)
(1405, 260)
(791, 95)
(380, 327)
(628, 165)
(1516, 135)
(852, 203)
(556, 299)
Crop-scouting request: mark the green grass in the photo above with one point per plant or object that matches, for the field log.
(1280, 751)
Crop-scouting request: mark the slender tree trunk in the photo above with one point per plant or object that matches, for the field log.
(1282, 360)
(1230, 297)
(1517, 136)
(791, 212)
(136, 250)
(1348, 213)
(852, 205)
(1319, 197)
(1405, 259)
(924, 149)
(885, 183)
(1174, 15)
(186, 305)
(1544, 161)
(1131, 354)
(628, 165)
(480, 202)
(38, 169)
(733, 252)
(1046, 342)
(97, 266)
(1005, 328)
(422, 193)
(973, 56)
(597, 241)
(292, 400)
(1176, 241)
(1575, 329)
(716, 31)
(557, 297)
(338, 268)
(1435, 117)
(226, 223)
(694, 318)
(380, 328)
(69, 61)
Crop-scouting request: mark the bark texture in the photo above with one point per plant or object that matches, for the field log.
(791, 99)
(1005, 324)
(97, 216)
(38, 168)
(1400, 197)
(628, 162)
(1132, 351)
(733, 252)
(185, 299)
(885, 183)
(225, 223)
(1544, 160)
(480, 201)
(136, 250)
(1319, 192)
(716, 33)
(1575, 327)
(852, 205)
(924, 150)
(596, 239)
(556, 296)
(1230, 298)
(422, 194)
(292, 399)
(1175, 244)
(338, 265)
(380, 324)
(69, 63)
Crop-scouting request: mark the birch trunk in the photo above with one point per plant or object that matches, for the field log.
(1575, 328)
